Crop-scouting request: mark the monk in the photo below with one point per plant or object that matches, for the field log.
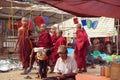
(54, 39)
(46, 42)
(44, 38)
(25, 44)
(53, 35)
(60, 41)
(81, 46)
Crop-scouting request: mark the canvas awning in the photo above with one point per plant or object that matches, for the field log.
(7, 3)
(107, 8)
(54, 15)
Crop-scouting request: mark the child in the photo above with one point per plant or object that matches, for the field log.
(42, 58)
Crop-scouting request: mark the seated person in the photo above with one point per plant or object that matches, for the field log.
(65, 67)
(89, 57)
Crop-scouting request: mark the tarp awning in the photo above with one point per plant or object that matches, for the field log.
(7, 3)
(107, 8)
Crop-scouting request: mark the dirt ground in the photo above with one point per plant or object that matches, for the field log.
(15, 74)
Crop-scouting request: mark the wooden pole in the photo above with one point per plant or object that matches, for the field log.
(62, 18)
(118, 25)
(31, 11)
(12, 13)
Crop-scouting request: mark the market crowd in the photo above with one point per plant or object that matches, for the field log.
(50, 49)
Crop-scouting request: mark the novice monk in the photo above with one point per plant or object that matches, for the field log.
(53, 35)
(44, 38)
(25, 44)
(54, 39)
(60, 41)
(81, 46)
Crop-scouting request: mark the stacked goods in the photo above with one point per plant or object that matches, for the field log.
(115, 71)
(105, 71)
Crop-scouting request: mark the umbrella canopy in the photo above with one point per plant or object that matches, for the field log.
(52, 13)
(6, 3)
(107, 8)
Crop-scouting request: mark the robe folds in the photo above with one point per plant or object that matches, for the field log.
(54, 39)
(81, 46)
(25, 47)
(44, 40)
(60, 41)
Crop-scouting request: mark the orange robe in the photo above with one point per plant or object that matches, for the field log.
(24, 47)
(81, 46)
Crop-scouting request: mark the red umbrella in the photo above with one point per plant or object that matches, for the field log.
(39, 20)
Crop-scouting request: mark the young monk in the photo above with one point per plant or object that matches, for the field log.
(54, 39)
(45, 42)
(60, 41)
(44, 38)
(25, 44)
(81, 46)
(53, 35)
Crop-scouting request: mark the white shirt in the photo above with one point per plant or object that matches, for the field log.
(69, 66)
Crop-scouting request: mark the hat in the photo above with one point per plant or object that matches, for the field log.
(62, 49)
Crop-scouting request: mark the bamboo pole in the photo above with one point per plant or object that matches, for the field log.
(117, 36)
(62, 18)
(31, 11)
(12, 13)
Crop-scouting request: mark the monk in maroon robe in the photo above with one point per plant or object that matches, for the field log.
(81, 46)
(60, 41)
(53, 35)
(54, 39)
(25, 44)
(44, 38)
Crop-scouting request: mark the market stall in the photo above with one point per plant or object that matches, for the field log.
(92, 8)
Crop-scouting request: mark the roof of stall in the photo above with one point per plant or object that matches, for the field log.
(107, 8)
(26, 9)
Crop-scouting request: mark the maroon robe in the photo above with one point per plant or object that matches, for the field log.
(44, 40)
(54, 39)
(81, 46)
(60, 41)
(25, 47)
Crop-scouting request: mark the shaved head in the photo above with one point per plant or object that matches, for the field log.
(24, 21)
(53, 29)
(78, 26)
(42, 27)
(59, 33)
